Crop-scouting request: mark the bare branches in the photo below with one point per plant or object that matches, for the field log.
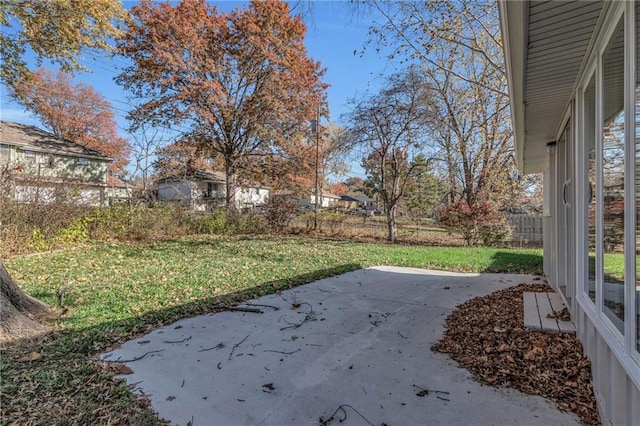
(236, 346)
(414, 30)
(341, 409)
(392, 126)
(310, 316)
(132, 359)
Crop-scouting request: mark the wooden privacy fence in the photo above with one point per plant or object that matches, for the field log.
(527, 228)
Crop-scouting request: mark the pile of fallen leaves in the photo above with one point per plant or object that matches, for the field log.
(486, 335)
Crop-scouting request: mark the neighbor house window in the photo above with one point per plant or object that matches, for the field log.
(613, 152)
(29, 156)
(5, 153)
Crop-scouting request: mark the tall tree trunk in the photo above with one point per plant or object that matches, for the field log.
(230, 184)
(19, 313)
(392, 226)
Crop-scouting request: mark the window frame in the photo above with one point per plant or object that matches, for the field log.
(5, 151)
(29, 156)
(623, 344)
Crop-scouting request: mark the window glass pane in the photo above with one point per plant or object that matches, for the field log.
(4, 152)
(590, 150)
(637, 130)
(613, 177)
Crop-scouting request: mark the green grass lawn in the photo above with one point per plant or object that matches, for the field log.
(116, 291)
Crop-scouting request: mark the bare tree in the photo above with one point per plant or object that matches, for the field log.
(144, 152)
(459, 48)
(413, 30)
(470, 131)
(390, 128)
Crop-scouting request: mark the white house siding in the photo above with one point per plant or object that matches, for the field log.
(247, 197)
(202, 196)
(615, 364)
(608, 61)
(90, 197)
(34, 194)
(325, 201)
(174, 191)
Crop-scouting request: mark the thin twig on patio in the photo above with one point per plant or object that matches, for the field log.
(176, 341)
(311, 316)
(237, 345)
(133, 359)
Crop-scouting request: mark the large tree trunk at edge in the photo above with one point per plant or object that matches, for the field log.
(19, 313)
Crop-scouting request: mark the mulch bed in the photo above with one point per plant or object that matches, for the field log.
(486, 336)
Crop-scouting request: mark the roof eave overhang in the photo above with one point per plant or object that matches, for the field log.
(513, 25)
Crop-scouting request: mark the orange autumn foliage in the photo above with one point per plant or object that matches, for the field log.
(240, 83)
(75, 112)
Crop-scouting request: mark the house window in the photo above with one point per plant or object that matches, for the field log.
(613, 164)
(83, 161)
(5, 153)
(590, 152)
(29, 156)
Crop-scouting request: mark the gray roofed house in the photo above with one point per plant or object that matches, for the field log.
(203, 190)
(25, 137)
(39, 166)
(353, 201)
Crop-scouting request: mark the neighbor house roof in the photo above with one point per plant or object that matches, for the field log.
(546, 44)
(201, 175)
(357, 198)
(326, 194)
(31, 138)
(207, 176)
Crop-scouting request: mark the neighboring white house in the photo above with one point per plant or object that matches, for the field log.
(39, 167)
(573, 70)
(349, 202)
(204, 191)
(326, 200)
(118, 191)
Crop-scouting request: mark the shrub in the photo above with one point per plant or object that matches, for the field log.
(279, 213)
(332, 222)
(479, 222)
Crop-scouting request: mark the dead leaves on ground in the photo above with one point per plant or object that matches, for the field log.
(486, 336)
(117, 368)
(31, 356)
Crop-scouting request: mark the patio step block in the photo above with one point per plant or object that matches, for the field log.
(537, 308)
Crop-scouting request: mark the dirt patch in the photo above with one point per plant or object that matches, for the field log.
(486, 336)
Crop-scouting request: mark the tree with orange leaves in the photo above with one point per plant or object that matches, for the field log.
(73, 111)
(239, 84)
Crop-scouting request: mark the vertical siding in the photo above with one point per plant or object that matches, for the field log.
(617, 395)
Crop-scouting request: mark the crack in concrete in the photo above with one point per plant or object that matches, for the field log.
(276, 409)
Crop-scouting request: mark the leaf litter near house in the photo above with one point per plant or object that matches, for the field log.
(486, 335)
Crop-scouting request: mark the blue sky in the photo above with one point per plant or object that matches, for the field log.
(334, 32)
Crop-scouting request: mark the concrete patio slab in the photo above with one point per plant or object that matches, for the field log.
(360, 341)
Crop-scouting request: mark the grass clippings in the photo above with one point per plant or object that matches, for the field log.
(486, 335)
